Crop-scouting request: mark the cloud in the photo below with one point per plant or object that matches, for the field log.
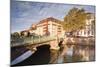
(23, 13)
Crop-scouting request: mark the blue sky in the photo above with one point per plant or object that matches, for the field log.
(24, 13)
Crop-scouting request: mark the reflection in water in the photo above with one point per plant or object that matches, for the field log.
(41, 56)
(53, 56)
(77, 54)
(22, 57)
(70, 53)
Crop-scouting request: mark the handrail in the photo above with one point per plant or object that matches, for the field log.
(31, 40)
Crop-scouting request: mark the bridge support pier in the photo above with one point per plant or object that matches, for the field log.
(54, 45)
(54, 50)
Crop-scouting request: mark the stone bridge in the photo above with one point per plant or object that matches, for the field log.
(53, 41)
(32, 43)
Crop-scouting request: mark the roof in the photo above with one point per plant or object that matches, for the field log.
(50, 19)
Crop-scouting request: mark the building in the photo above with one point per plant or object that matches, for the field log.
(53, 27)
(89, 30)
(49, 26)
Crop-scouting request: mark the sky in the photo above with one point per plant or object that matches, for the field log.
(24, 13)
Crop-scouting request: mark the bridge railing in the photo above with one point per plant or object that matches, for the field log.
(31, 40)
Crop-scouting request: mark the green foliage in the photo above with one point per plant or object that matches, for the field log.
(15, 35)
(75, 20)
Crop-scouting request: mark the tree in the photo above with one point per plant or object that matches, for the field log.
(75, 20)
(15, 35)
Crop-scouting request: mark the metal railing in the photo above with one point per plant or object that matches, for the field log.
(31, 40)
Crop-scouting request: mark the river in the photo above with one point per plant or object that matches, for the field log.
(44, 55)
